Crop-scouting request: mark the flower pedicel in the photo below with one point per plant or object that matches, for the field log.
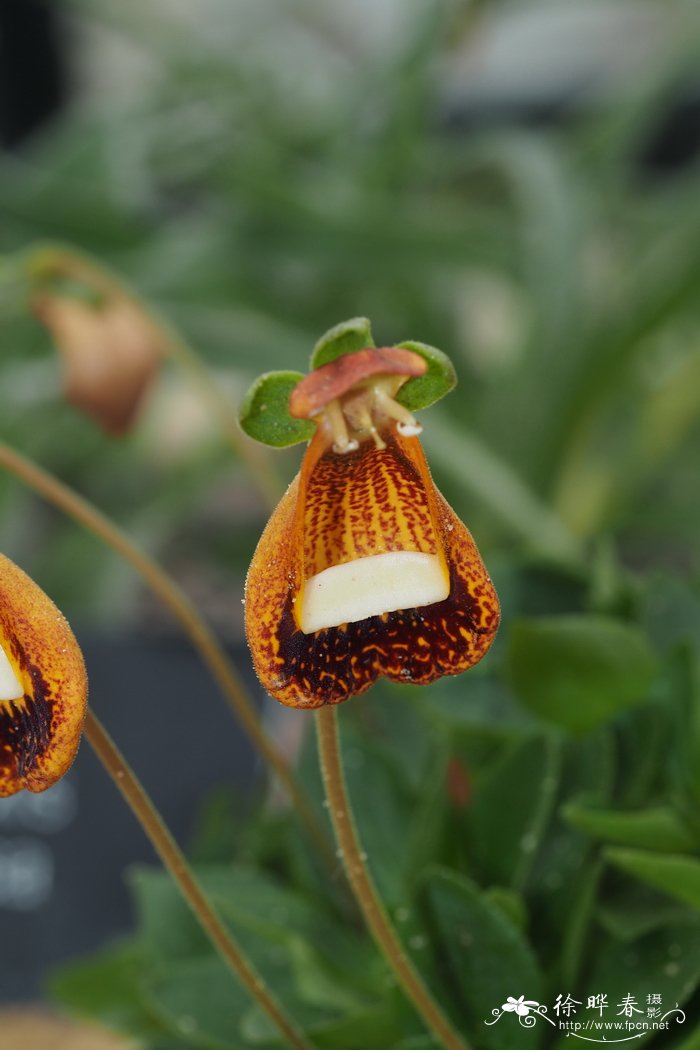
(364, 570)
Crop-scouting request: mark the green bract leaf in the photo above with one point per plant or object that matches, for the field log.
(343, 338)
(264, 414)
(425, 390)
(579, 671)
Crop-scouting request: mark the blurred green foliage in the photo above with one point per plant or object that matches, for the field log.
(254, 200)
(534, 824)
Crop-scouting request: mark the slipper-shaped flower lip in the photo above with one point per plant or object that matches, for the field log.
(364, 570)
(43, 686)
(336, 378)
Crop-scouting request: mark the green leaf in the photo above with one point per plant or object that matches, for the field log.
(665, 962)
(692, 1042)
(366, 1026)
(324, 974)
(264, 413)
(511, 904)
(169, 929)
(200, 997)
(635, 909)
(579, 671)
(416, 1042)
(381, 1026)
(107, 987)
(563, 881)
(677, 875)
(657, 828)
(200, 1000)
(682, 696)
(384, 809)
(256, 907)
(343, 338)
(644, 743)
(422, 391)
(487, 957)
(507, 826)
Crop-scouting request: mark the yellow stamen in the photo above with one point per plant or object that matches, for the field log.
(357, 412)
(341, 442)
(367, 423)
(408, 425)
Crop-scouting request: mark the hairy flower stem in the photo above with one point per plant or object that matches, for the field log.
(55, 260)
(174, 860)
(364, 889)
(203, 640)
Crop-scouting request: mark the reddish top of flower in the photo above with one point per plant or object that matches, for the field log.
(332, 380)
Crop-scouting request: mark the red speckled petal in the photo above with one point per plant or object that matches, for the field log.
(354, 505)
(334, 379)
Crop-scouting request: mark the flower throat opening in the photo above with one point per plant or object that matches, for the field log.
(372, 586)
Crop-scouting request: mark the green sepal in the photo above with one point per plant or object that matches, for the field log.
(343, 338)
(421, 391)
(264, 414)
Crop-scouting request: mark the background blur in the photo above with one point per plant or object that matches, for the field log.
(516, 183)
(513, 182)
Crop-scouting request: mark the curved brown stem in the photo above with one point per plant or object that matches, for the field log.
(174, 860)
(48, 260)
(364, 889)
(204, 641)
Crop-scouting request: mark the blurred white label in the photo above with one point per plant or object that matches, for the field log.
(26, 874)
(47, 812)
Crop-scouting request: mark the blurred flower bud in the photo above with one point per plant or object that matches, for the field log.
(110, 350)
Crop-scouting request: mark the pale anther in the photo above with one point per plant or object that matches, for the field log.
(410, 429)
